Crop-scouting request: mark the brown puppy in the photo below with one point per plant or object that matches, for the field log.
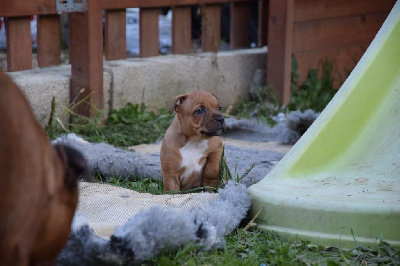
(191, 150)
(38, 184)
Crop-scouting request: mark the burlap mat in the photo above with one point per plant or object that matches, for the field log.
(106, 206)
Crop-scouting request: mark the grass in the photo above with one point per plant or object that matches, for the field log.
(314, 93)
(264, 105)
(266, 248)
(147, 185)
(245, 246)
(131, 125)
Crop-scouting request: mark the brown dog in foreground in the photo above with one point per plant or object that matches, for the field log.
(38, 184)
(191, 149)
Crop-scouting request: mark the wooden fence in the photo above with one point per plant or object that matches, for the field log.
(86, 35)
(338, 30)
(314, 30)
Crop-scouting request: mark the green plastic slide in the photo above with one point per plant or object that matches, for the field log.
(340, 184)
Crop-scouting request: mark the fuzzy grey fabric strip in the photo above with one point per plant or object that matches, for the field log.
(250, 130)
(156, 229)
(288, 131)
(295, 126)
(110, 161)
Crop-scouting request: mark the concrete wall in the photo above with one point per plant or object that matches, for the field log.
(41, 85)
(153, 81)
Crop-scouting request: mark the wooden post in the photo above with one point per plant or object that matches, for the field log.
(86, 56)
(19, 43)
(48, 40)
(280, 39)
(239, 28)
(211, 27)
(263, 7)
(181, 30)
(149, 43)
(115, 34)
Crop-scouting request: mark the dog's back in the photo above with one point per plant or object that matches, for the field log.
(38, 186)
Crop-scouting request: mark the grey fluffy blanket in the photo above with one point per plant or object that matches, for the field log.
(289, 129)
(156, 229)
(110, 161)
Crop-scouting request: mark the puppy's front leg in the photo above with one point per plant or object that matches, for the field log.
(171, 183)
(212, 168)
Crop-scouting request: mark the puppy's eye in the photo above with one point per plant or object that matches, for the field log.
(199, 111)
(219, 108)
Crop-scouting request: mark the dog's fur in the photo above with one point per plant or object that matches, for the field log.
(191, 149)
(38, 184)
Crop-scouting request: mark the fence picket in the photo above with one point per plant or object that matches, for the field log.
(239, 29)
(115, 34)
(280, 39)
(48, 40)
(263, 8)
(148, 32)
(181, 30)
(211, 27)
(86, 57)
(19, 43)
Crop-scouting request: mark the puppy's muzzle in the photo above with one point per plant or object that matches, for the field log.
(217, 127)
(221, 120)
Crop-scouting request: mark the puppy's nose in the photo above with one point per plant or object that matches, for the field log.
(220, 119)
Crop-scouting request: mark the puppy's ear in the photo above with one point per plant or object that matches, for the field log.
(215, 96)
(175, 103)
(75, 165)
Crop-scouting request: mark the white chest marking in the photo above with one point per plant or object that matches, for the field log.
(191, 154)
